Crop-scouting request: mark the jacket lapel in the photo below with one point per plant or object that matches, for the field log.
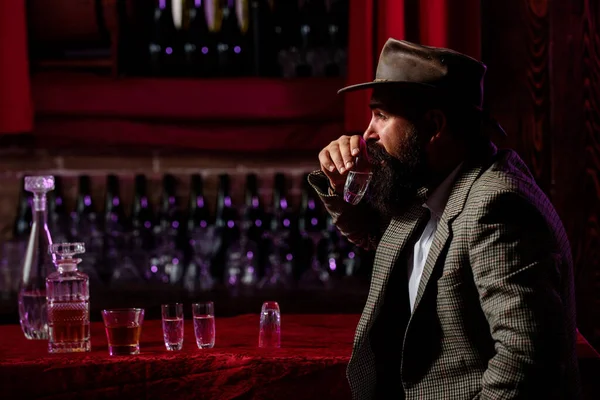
(454, 206)
(389, 249)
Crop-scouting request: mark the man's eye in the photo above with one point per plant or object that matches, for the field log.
(381, 116)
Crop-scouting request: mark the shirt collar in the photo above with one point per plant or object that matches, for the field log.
(436, 202)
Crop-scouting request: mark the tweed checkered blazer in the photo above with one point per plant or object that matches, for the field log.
(494, 316)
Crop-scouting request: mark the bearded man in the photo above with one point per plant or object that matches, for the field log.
(471, 295)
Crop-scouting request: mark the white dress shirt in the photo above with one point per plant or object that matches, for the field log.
(436, 203)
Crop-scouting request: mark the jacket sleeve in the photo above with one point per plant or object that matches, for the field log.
(521, 264)
(360, 224)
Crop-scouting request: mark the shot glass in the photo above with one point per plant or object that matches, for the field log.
(269, 335)
(123, 330)
(204, 324)
(172, 324)
(356, 185)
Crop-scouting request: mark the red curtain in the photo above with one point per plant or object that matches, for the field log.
(360, 62)
(442, 23)
(16, 114)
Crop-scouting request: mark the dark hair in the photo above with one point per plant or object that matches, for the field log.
(465, 121)
(413, 102)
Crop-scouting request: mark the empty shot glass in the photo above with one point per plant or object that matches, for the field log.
(172, 324)
(356, 185)
(123, 330)
(269, 335)
(204, 324)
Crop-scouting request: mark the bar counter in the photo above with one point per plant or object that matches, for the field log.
(310, 364)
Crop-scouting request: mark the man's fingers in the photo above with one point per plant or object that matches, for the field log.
(356, 144)
(327, 164)
(335, 152)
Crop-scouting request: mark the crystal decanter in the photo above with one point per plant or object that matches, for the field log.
(37, 263)
(68, 296)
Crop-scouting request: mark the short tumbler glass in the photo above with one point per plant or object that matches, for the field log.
(123, 330)
(356, 185)
(269, 335)
(204, 324)
(172, 324)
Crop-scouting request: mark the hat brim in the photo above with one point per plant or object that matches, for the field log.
(372, 84)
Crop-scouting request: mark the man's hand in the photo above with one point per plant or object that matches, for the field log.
(341, 156)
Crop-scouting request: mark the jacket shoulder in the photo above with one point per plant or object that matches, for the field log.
(507, 173)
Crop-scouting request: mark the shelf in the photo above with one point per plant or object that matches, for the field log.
(188, 99)
(242, 114)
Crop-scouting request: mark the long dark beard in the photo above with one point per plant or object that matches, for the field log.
(396, 181)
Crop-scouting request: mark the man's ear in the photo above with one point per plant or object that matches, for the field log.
(437, 122)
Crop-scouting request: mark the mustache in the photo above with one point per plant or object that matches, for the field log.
(377, 154)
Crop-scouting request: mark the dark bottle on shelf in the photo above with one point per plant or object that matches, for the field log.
(284, 221)
(280, 240)
(337, 34)
(313, 33)
(85, 218)
(226, 222)
(254, 221)
(311, 226)
(166, 258)
(198, 212)
(23, 219)
(142, 217)
(58, 218)
(254, 214)
(163, 44)
(115, 222)
(264, 55)
(87, 228)
(286, 37)
(169, 212)
(234, 43)
(311, 215)
(200, 43)
(115, 227)
(226, 214)
(283, 216)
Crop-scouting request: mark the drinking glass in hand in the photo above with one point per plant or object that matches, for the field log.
(356, 185)
(123, 330)
(204, 324)
(270, 325)
(172, 324)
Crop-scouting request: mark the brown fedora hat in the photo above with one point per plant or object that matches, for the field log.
(443, 72)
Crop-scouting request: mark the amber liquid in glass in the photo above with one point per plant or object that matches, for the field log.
(69, 325)
(124, 339)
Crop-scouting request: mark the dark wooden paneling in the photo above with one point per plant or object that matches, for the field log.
(569, 137)
(515, 37)
(543, 85)
(538, 87)
(589, 256)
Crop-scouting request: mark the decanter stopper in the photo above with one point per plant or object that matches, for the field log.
(67, 250)
(65, 253)
(39, 186)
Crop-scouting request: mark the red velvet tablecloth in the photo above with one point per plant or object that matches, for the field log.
(311, 364)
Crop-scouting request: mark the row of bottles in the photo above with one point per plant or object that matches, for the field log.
(244, 247)
(208, 38)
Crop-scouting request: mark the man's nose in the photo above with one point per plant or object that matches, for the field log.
(370, 134)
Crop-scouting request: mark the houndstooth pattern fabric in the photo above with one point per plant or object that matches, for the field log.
(494, 315)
